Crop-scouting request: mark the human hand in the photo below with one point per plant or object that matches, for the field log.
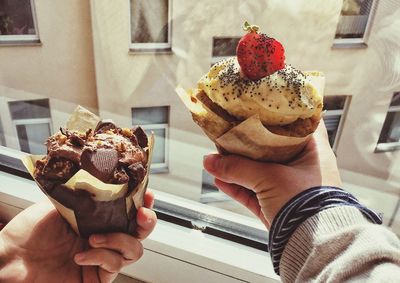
(265, 187)
(39, 246)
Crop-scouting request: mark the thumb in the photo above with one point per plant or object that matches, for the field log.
(240, 170)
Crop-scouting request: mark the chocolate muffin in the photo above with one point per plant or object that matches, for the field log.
(111, 154)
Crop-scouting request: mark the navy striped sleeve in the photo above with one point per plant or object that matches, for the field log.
(303, 206)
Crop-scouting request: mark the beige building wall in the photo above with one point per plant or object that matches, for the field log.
(60, 68)
(65, 69)
(306, 29)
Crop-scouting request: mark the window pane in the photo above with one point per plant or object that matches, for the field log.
(207, 184)
(391, 128)
(149, 21)
(395, 99)
(32, 137)
(16, 17)
(334, 102)
(159, 145)
(332, 124)
(2, 138)
(29, 109)
(225, 46)
(354, 18)
(150, 115)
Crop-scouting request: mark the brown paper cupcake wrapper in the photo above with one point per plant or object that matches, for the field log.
(88, 204)
(249, 138)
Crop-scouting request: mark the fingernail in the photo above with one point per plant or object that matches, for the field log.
(98, 239)
(210, 162)
(79, 257)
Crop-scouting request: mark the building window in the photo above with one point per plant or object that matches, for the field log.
(150, 25)
(156, 120)
(32, 123)
(336, 108)
(389, 139)
(223, 47)
(209, 192)
(2, 137)
(18, 21)
(354, 22)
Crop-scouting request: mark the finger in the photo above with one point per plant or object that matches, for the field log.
(243, 196)
(149, 199)
(242, 171)
(108, 260)
(126, 245)
(146, 220)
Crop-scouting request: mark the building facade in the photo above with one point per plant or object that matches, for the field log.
(123, 59)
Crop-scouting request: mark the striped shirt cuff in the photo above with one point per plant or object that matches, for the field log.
(303, 206)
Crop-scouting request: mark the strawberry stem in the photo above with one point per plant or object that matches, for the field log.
(250, 28)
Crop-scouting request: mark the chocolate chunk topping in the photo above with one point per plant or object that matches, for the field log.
(136, 172)
(101, 163)
(76, 140)
(105, 125)
(120, 176)
(58, 168)
(140, 136)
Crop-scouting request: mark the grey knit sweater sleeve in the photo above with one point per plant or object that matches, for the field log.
(340, 245)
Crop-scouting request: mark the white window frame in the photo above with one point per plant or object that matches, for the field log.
(160, 167)
(343, 114)
(358, 42)
(22, 38)
(389, 146)
(33, 121)
(152, 47)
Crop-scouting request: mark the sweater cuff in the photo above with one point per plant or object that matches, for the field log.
(302, 240)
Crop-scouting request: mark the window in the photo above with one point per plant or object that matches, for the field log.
(209, 192)
(336, 107)
(17, 21)
(150, 25)
(223, 47)
(389, 139)
(32, 123)
(156, 120)
(2, 137)
(354, 22)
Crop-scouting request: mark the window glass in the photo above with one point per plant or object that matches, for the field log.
(332, 126)
(149, 21)
(224, 46)
(150, 115)
(2, 138)
(32, 136)
(391, 128)
(29, 109)
(159, 146)
(334, 102)
(395, 99)
(155, 119)
(354, 18)
(16, 17)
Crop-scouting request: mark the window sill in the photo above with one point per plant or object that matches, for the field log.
(349, 43)
(31, 42)
(151, 51)
(169, 248)
(387, 147)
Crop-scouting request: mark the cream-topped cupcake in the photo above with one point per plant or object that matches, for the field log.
(279, 99)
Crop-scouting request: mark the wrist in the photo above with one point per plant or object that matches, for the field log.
(305, 205)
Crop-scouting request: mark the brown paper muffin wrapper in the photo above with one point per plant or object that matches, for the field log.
(92, 206)
(248, 138)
